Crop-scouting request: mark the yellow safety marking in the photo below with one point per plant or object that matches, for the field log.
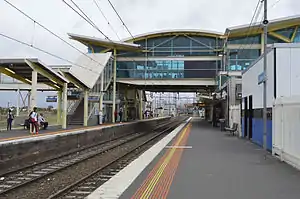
(161, 169)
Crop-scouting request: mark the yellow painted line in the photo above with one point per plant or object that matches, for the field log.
(161, 169)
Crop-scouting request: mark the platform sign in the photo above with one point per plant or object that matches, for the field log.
(261, 78)
(73, 95)
(51, 99)
(94, 98)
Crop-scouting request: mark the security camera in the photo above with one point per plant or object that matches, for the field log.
(265, 22)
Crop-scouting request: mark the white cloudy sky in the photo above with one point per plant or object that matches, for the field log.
(139, 15)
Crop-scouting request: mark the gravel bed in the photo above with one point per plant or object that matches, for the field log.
(43, 188)
(95, 179)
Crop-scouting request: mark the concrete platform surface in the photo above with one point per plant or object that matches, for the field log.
(17, 134)
(203, 162)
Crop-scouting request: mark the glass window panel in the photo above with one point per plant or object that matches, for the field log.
(181, 41)
(245, 54)
(297, 38)
(287, 32)
(168, 69)
(245, 40)
(239, 64)
(141, 42)
(272, 40)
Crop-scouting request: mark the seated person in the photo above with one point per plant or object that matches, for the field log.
(27, 124)
(42, 121)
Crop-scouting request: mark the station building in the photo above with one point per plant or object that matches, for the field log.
(199, 61)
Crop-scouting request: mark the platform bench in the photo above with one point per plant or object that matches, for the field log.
(233, 129)
(25, 124)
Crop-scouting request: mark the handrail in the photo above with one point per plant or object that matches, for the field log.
(73, 106)
(92, 111)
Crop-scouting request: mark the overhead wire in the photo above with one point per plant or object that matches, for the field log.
(102, 13)
(132, 37)
(88, 20)
(48, 30)
(249, 29)
(262, 17)
(44, 51)
(108, 22)
(257, 22)
(113, 7)
(251, 22)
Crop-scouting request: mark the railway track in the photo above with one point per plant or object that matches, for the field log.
(86, 185)
(30, 174)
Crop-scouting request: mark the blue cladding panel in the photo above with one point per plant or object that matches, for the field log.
(243, 128)
(257, 128)
(257, 137)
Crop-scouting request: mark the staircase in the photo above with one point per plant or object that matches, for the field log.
(77, 117)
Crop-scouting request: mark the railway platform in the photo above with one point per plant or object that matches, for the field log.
(17, 134)
(202, 162)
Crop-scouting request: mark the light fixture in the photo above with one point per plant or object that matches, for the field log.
(56, 86)
(53, 81)
(11, 71)
(28, 80)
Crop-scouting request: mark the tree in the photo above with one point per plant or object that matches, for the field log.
(50, 108)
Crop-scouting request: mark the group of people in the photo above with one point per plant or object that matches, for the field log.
(148, 114)
(35, 120)
(120, 113)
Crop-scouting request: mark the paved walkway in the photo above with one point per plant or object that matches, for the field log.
(217, 166)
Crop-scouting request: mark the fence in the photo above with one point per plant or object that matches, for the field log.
(235, 117)
(286, 126)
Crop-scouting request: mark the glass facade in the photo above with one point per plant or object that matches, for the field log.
(245, 40)
(182, 46)
(171, 46)
(172, 69)
(107, 77)
(272, 40)
(241, 59)
(287, 32)
(297, 37)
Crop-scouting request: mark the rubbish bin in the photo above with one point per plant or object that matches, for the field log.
(222, 124)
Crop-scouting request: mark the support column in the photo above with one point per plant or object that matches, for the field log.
(18, 102)
(101, 99)
(140, 104)
(28, 102)
(126, 106)
(33, 90)
(114, 86)
(59, 102)
(64, 106)
(135, 105)
(86, 108)
(262, 44)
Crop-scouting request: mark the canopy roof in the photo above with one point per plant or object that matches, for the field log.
(94, 41)
(21, 69)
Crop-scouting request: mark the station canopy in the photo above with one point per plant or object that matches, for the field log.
(21, 69)
(109, 44)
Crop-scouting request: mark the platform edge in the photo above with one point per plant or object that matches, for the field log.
(118, 184)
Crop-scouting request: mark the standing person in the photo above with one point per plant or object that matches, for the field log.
(34, 121)
(10, 118)
(121, 114)
(116, 115)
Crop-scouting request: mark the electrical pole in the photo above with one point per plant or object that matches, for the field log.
(265, 22)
